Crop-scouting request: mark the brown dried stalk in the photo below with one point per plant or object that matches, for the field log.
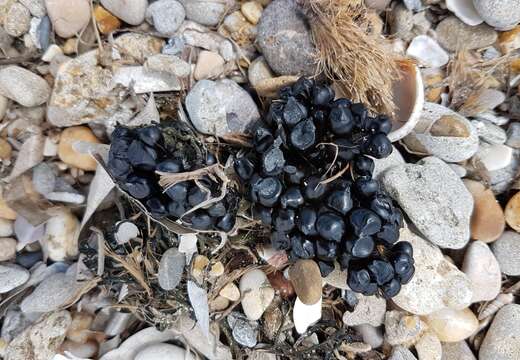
(349, 55)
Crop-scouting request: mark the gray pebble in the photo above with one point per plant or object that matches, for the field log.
(50, 294)
(14, 323)
(507, 252)
(513, 135)
(44, 179)
(284, 39)
(173, 46)
(401, 353)
(502, 341)
(44, 33)
(501, 179)
(489, 132)
(434, 198)
(207, 12)
(28, 259)
(453, 34)
(171, 269)
(414, 5)
(244, 332)
(12, 276)
(166, 15)
(501, 14)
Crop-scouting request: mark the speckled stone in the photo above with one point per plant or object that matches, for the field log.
(502, 341)
(453, 34)
(507, 252)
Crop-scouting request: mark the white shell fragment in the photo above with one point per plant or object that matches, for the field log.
(427, 51)
(305, 315)
(465, 11)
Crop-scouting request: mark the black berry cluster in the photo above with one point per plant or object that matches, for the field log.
(135, 156)
(309, 176)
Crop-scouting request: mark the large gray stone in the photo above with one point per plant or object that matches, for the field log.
(221, 107)
(285, 40)
(23, 86)
(502, 14)
(50, 294)
(435, 200)
(502, 341)
(507, 252)
(166, 16)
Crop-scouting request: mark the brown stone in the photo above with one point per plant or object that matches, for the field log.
(306, 278)
(69, 155)
(5, 211)
(512, 212)
(6, 150)
(106, 22)
(449, 125)
(487, 220)
(433, 86)
(509, 40)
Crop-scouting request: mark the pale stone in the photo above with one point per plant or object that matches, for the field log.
(52, 293)
(501, 14)
(131, 12)
(6, 227)
(7, 249)
(429, 347)
(465, 11)
(230, 292)
(257, 293)
(168, 63)
(427, 51)
(171, 269)
(482, 269)
(401, 353)
(369, 310)
(143, 81)
(68, 17)
(209, 65)
(163, 351)
(18, 20)
(512, 212)
(220, 303)
(60, 241)
(69, 155)
(136, 48)
(12, 276)
(252, 10)
(507, 252)
(403, 329)
(453, 325)
(457, 350)
(23, 86)
(259, 70)
(305, 315)
(502, 341)
(166, 16)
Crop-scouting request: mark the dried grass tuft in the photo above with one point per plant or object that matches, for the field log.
(349, 54)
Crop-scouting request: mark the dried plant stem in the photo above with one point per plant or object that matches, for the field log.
(348, 54)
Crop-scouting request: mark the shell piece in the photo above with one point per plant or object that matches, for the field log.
(465, 11)
(409, 100)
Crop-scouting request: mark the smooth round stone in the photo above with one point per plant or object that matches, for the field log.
(502, 14)
(259, 70)
(171, 269)
(131, 12)
(305, 315)
(166, 16)
(443, 133)
(7, 249)
(230, 292)
(69, 155)
(6, 227)
(403, 329)
(106, 21)
(495, 157)
(428, 52)
(436, 284)
(457, 350)
(453, 325)
(18, 20)
(209, 64)
(487, 220)
(502, 341)
(482, 269)
(337, 278)
(207, 12)
(163, 351)
(489, 132)
(284, 38)
(12, 276)
(465, 11)
(507, 252)
(68, 17)
(512, 212)
(453, 34)
(257, 293)
(218, 304)
(23, 86)
(53, 292)
(369, 310)
(60, 241)
(429, 347)
(306, 279)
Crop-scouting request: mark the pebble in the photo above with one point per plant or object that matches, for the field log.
(453, 34)
(209, 65)
(465, 11)
(429, 347)
(163, 351)
(258, 71)
(221, 107)
(501, 14)
(372, 336)
(52, 293)
(434, 198)
(502, 179)
(489, 132)
(72, 157)
(401, 21)
(513, 135)
(131, 12)
(207, 12)
(437, 283)
(369, 310)
(245, 332)
(68, 17)
(218, 304)
(427, 51)
(403, 329)
(453, 325)
(169, 64)
(26, 233)
(136, 48)
(273, 319)
(171, 268)
(382, 165)
(18, 20)
(12, 276)
(337, 278)
(230, 292)
(443, 133)
(502, 341)
(457, 350)
(495, 157)
(5, 211)
(42, 340)
(198, 267)
(143, 81)
(106, 22)
(271, 87)
(377, 4)
(306, 279)
(60, 241)
(14, 323)
(507, 252)
(7, 249)
(487, 220)
(401, 353)
(482, 269)
(23, 86)
(166, 15)
(414, 5)
(512, 212)
(508, 42)
(216, 270)
(284, 39)
(6, 227)
(36, 7)
(305, 315)
(85, 350)
(252, 10)
(257, 293)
